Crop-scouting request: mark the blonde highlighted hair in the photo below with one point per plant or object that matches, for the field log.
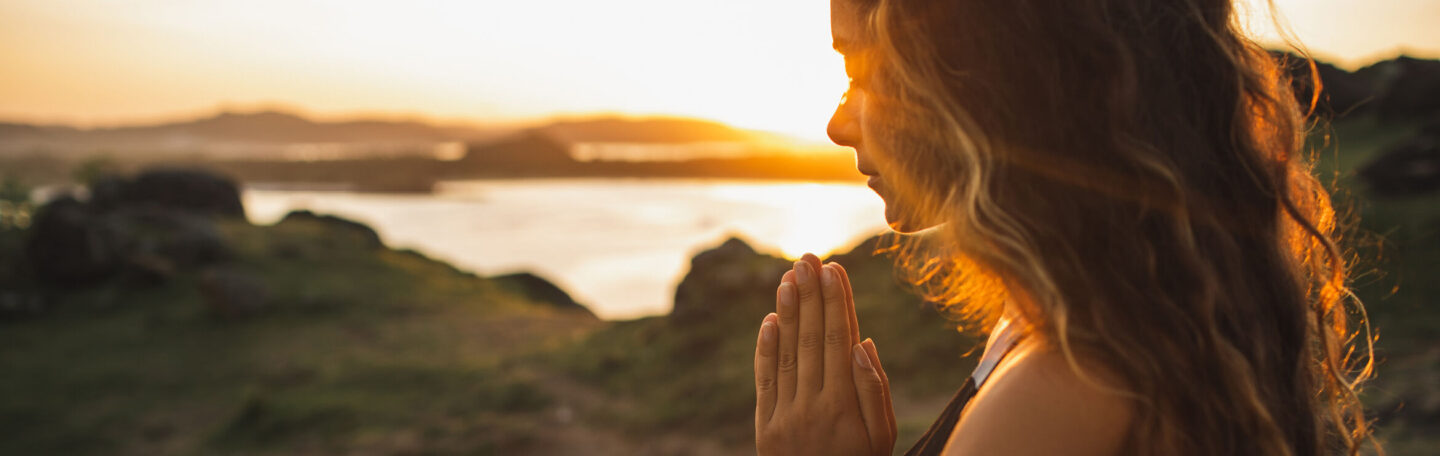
(1129, 175)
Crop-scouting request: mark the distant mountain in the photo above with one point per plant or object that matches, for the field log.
(1395, 89)
(265, 134)
(274, 134)
(646, 130)
(530, 150)
(281, 127)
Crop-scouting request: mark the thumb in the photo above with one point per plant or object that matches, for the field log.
(870, 390)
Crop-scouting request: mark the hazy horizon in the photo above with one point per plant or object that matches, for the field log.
(749, 63)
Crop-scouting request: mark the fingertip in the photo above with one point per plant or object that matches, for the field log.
(789, 276)
(828, 277)
(770, 318)
(862, 359)
(810, 258)
(767, 332)
(787, 298)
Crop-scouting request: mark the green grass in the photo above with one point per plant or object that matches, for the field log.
(364, 350)
(697, 378)
(1395, 244)
(359, 350)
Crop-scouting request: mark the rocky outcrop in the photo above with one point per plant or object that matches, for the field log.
(189, 191)
(341, 229)
(142, 229)
(70, 246)
(724, 276)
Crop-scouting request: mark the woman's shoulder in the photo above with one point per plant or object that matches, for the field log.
(1036, 403)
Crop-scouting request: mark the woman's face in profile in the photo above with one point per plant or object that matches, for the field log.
(856, 121)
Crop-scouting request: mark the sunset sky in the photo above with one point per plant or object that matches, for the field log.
(762, 64)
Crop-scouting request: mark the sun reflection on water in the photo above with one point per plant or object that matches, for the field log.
(808, 221)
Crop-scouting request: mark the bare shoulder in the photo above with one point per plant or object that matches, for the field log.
(1036, 404)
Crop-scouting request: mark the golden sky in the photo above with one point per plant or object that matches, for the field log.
(763, 64)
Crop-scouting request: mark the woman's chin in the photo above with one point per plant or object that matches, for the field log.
(906, 222)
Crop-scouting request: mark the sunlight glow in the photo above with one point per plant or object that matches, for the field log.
(810, 223)
(757, 64)
(750, 63)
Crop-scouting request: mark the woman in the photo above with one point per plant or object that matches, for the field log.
(1119, 186)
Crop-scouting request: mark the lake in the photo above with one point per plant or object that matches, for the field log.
(619, 246)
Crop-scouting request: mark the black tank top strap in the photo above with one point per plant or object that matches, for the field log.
(932, 443)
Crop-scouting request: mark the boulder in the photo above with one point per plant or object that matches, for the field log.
(732, 277)
(70, 246)
(143, 228)
(192, 191)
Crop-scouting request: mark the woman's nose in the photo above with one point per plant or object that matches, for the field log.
(844, 127)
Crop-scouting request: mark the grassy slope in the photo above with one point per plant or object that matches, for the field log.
(697, 378)
(387, 352)
(361, 351)
(1397, 252)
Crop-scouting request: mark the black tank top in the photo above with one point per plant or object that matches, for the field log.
(1002, 339)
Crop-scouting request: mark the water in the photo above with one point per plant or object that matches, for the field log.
(617, 245)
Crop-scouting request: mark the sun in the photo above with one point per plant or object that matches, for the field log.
(818, 218)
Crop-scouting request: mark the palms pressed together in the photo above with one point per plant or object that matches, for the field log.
(819, 388)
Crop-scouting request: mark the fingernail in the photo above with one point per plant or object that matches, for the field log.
(787, 295)
(767, 331)
(828, 277)
(861, 359)
(803, 272)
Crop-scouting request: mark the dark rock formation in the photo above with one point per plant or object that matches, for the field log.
(143, 229)
(190, 191)
(1406, 169)
(69, 246)
(725, 276)
(343, 230)
(539, 290)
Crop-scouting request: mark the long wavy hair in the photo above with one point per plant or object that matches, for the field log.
(1130, 175)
